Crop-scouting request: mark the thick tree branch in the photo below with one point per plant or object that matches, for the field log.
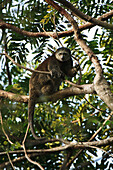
(100, 84)
(70, 91)
(85, 17)
(13, 97)
(71, 145)
(77, 34)
(53, 34)
(103, 90)
(74, 145)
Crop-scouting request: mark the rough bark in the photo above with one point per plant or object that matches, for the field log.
(71, 91)
(101, 86)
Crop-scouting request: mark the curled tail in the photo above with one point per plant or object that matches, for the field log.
(31, 107)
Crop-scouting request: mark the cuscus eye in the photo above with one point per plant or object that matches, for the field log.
(60, 53)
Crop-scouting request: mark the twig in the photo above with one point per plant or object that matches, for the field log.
(73, 84)
(4, 130)
(95, 147)
(28, 158)
(80, 151)
(6, 62)
(26, 134)
(101, 126)
(57, 32)
(87, 163)
(10, 161)
(37, 71)
(54, 37)
(93, 106)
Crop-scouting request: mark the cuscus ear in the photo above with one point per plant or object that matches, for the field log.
(63, 49)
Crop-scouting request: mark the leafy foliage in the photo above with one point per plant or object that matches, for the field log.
(73, 119)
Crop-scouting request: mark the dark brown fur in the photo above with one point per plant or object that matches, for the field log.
(46, 84)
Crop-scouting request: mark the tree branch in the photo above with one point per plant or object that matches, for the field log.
(69, 91)
(10, 161)
(7, 137)
(53, 34)
(100, 84)
(85, 17)
(36, 71)
(6, 63)
(14, 97)
(92, 137)
(73, 145)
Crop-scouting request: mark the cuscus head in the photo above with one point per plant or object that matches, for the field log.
(63, 54)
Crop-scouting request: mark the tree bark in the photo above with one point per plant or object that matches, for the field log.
(69, 91)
